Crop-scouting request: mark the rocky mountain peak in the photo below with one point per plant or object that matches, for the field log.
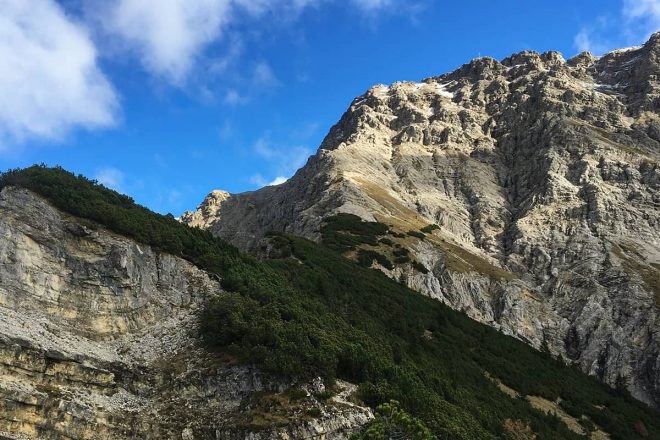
(207, 209)
(542, 176)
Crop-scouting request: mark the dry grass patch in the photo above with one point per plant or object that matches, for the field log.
(516, 430)
(549, 407)
(505, 389)
(404, 219)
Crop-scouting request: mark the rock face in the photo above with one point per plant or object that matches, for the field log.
(98, 339)
(542, 175)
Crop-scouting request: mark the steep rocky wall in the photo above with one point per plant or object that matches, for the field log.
(98, 340)
(544, 178)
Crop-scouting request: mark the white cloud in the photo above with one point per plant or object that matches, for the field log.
(168, 35)
(638, 19)
(110, 177)
(647, 9)
(278, 180)
(171, 36)
(258, 180)
(642, 17)
(50, 82)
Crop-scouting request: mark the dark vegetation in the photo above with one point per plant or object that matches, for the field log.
(401, 252)
(321, 314)
(402, 259)
(386, 241)
(429, 228)
(343, 232)
(367, 257)
(420, 267)
(392, 422)
(417, 234)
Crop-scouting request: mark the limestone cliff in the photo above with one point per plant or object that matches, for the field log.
(98, 340)
(542, 175)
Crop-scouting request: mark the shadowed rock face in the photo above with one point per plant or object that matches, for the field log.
(98, 339)
(543, 177)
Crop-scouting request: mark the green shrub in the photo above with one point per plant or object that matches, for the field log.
(343, 232)
(400, 252)
(420, 267)
(429, 228)
(367, 257)
(314, 412)
(325, 395)
(396, 234)
(392, 422)
(417, 234)
(403, 259)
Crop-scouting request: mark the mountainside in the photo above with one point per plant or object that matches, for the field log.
(152, 329)
(536, 183)
(99, 340)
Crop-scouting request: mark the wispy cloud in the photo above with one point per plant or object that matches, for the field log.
(244, 90)
(641, 18)
(374, 10)
(170, 37)
(50, 82)
(637, 20)
(258, 180)
(284, 160)
(289, 157)
(110, 177)
(264, 77)
(167, 35)
(233, 97)
(226, 130)
(590, 38)
(372, 5)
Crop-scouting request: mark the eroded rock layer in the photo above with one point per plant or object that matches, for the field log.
(98, 340)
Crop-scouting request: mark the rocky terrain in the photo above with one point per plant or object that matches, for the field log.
(98, 340)
(542, 176)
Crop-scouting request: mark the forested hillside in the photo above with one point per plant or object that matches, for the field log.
(307, 311)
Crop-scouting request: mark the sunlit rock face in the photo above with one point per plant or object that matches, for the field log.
(99, 340)
(542, 175)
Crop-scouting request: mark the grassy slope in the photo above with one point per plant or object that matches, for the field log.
(312, 312)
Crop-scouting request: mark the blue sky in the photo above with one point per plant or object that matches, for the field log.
(166, 100)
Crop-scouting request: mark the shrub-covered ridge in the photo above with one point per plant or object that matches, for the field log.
(313, 312)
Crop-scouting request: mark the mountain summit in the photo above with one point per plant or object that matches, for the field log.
(524, 192)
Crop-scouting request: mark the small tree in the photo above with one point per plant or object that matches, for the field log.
(393, 423)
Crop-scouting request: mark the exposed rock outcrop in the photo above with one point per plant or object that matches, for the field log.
(98, 340)
(543, 176)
